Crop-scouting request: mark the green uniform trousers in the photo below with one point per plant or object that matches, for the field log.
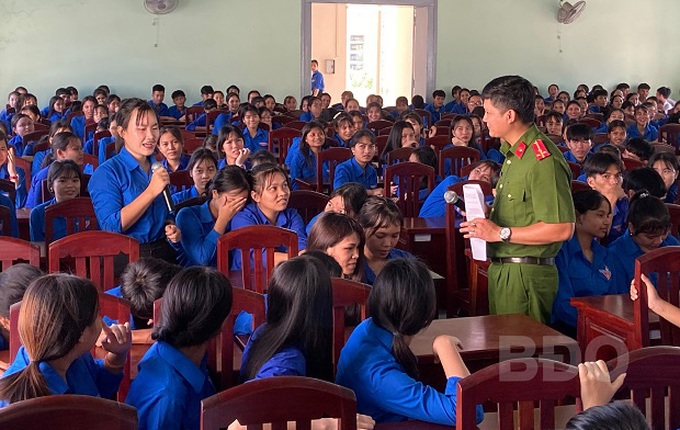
(527, 289)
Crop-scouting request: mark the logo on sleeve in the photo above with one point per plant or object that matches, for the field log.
(606, 272)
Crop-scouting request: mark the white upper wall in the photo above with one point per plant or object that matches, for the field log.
(256, 44)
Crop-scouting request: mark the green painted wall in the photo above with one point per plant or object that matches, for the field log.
(256, 43)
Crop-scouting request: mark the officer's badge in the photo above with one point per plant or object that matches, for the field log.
(540, 150)
(521, 148)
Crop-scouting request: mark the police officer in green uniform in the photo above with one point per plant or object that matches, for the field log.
(533, 212)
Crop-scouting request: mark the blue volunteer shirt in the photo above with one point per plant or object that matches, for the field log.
(619, 216)
(160, 109)
(85, 376)
(252, 215)
(317, 82)
(257, 142)
(176, 112)
(199, 238)
(183, 163)
(184, 195)
(369, 274)
(288, 361)
(168, 389)
(383, 389)
(351, 171)
(78, 126)
(13, 228)
(578, 277)
(651, 133)
(21, 192)
(301, 168)
(116, 184)
(435, 205)
(221, 120)
(626, 250)
(35, 196)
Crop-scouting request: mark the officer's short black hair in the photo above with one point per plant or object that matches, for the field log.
(512, 92)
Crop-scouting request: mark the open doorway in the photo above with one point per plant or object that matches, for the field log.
(370, 47)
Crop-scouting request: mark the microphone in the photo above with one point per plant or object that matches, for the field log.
(452, 198)
(167, 196)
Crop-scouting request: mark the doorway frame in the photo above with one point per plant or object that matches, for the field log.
(306, 36)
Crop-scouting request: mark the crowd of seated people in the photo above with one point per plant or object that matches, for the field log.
(240, 183)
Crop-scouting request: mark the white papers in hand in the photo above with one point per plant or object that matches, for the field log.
(475, 208)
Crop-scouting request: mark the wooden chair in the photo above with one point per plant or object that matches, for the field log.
(14, 251)
(68, 412)
(221, 347)
(579, 186)
(557, 139)
(98, 248)
(630, 164)
(181, 179)
(192, 113)
(346, 293)
(39, 147)
(8, 188)
(599, 117)
(663, 147)
(517, 383)
(398, 155)
(6, 220)
(409, 176)
(191, 202)
(297, 125)
(96, 138)
(438, 142)
(278, 401)
(27, 167)
(592, 122)
(261, 241)
(282, 120)
(332, 156)
(72, 115)
(441, 131)
(91, 159)
(77, 213)
(384, 131)
(575, 170)
(210, 119)
(600, 138)
(426, 116)
(670, 134)
(458, 157)
(35, 136)
(110, 150)
(652, 374)
(380, 143)
(90, 128)
(308, 203)
(467, 283)
(375, 126)
(192, 144)
(282, 139)
(444, 123)
(665, 264)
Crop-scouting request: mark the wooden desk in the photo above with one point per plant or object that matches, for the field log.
(23, 217)
(609, 316)
(426, 239)
(489, 339)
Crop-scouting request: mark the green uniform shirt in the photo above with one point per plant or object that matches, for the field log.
(534, 186)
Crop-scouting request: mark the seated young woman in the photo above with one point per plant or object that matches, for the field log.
(13, 283)
(63, 182)
(381, 220)
(270, 194)
(586, 268)
(346, 199)
(304, 159)
(230, 145)
(173, 376)
(341, 237)
(202, 225)
(59, 324)
(376, 362)
(202, 168)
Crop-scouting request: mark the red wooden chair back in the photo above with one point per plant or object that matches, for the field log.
(652, 374)
(506, 383)
(384, 131)
(117, 309)
(438, 142)
(346, 293)
(71, 412)
(110, 150)
(458, 156)
(467, 292)
(575, 170)
(410, 177)
(599, 117)
(192, 113)
(441, 131)
(8, 188)
(296, 125)
(187, 134)
(35, 136)
(210, 119)
(308, 203)
(5, 220)
(444, 123)
(191, 144)
(90, 128)
(398, 155)
(91, 159)
(557, 139)
(375, 126)
(665, 264)
(42, 126)
(190, 202)
(282, 120)
(27, 167)
(72, 115)
(670, 134)
(282, 139)
(579, 186)
(662, 147)
(79, 215)
(261, 241)
(90, 252)
(97, 137)
(296, 114)
(380, 143)
(630, 164)
(598, 138)
(14, 339)
(181, 179)
(674, 211)
(39, 147)
(333, 156)
(592, 122)
(278, 401)
(14, 251)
